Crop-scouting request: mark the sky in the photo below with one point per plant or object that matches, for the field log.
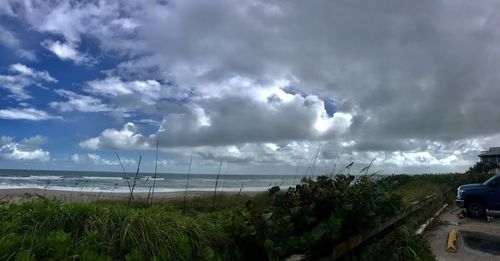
(267, 87)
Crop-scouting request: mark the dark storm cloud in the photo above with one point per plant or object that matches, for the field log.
(412, 69)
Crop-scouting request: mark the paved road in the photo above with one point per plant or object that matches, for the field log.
(477, 239)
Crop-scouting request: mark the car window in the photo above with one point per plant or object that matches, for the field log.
(494, 178)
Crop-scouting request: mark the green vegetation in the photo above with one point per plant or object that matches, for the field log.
(49, 229)
(402, 245)
(483, 167)
(308, 218)
(316, 214)
(414, 187)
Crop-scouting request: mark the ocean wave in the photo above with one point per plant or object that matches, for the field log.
(205, 180)
(31, 177)
(151, 178)
(101, 178)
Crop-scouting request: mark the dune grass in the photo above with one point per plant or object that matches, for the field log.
(49, 229)
(417, 189)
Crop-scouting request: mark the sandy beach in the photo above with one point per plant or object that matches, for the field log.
(19, 195)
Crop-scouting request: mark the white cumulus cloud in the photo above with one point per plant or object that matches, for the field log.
(28, 149)
(126, 138)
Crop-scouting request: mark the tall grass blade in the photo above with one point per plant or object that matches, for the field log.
(348, 167)
(224, 177)
(337, 161)
(367, 167)
(135, 181)
(216, 183)
(187, 182)
(309, 166)
(313, 168)
(124, 172)
(156, 169)
(239, 192)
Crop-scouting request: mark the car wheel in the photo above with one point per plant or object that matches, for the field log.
(476, 209)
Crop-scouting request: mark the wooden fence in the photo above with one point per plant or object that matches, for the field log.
(354, 241)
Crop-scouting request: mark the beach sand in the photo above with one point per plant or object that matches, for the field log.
(19, 195)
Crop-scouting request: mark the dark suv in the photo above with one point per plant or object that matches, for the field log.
(478, 197)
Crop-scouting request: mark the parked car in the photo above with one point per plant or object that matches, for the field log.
(478, 197)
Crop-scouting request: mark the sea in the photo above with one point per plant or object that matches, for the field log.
(119, 182)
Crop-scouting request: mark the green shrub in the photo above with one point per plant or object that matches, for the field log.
(316, 214)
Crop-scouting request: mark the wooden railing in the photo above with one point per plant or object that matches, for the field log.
(354, 241)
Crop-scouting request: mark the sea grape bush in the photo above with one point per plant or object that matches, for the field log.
(316, 214)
